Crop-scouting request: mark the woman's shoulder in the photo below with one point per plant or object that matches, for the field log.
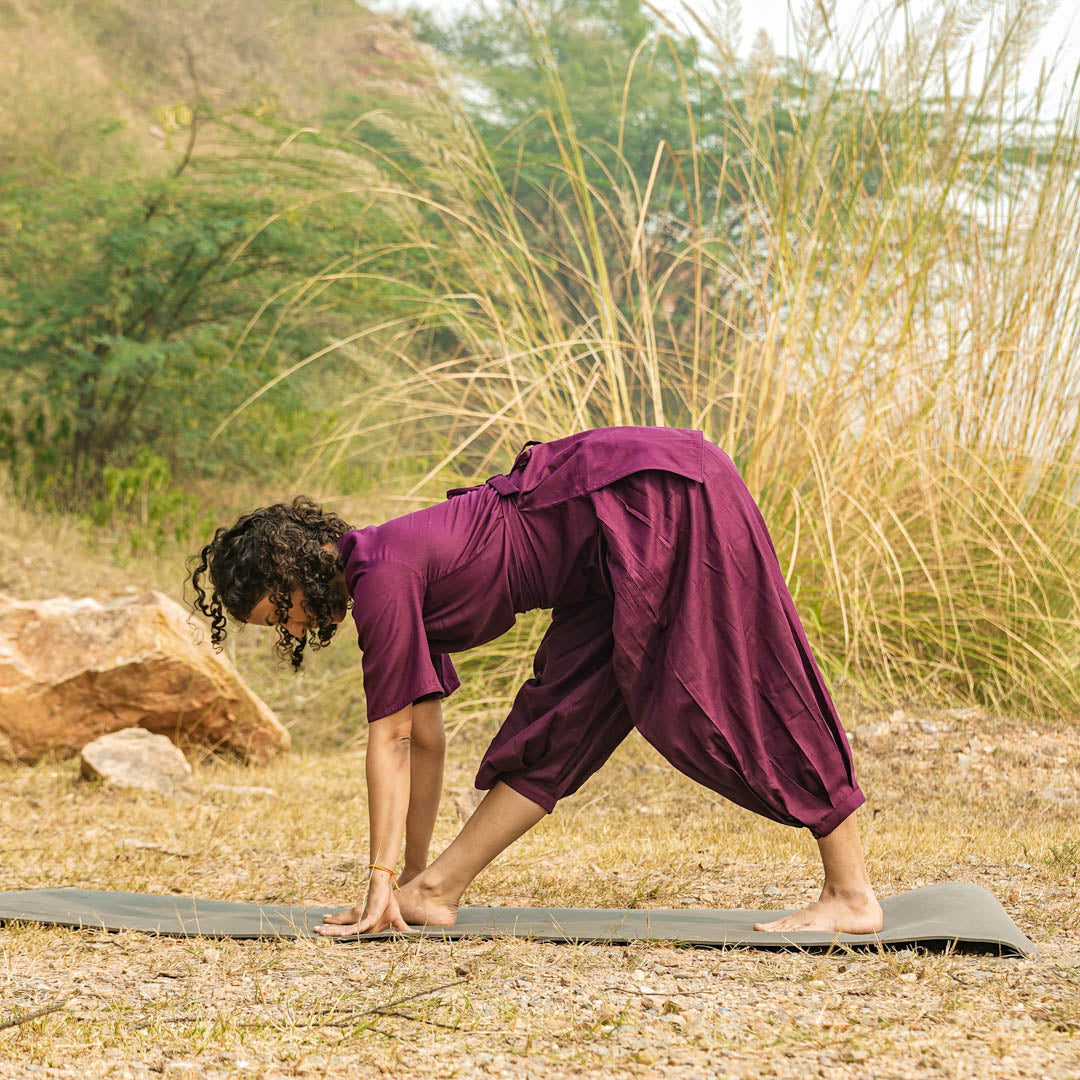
(371, 555)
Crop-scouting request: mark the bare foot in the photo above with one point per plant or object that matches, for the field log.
(423, 904)
(835, 912)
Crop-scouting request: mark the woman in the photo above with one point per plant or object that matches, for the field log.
(669, 614)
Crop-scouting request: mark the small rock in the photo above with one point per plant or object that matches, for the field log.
(854, 1055)
(964, 761)
(136, 758)
(970, 713)
(252, 790)
(872, 731)
(898, 717)
(467, 801)
(771, 890)
(929, 727)
(1061, 794)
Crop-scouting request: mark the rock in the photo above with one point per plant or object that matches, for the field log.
(1061, 794)
(136, 758)
(928, 727)
(771, 890)
(252, 790)
(71, 670)
(466, 803)
(972, 712)
(174, 1070)
(872, 731)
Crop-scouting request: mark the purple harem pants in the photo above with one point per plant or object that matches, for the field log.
(691, 636)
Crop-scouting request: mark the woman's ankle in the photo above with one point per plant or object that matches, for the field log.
(432, 884)
(848, 892)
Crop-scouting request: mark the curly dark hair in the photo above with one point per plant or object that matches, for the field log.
(271, 552)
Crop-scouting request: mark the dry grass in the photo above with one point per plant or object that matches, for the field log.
(639, 834)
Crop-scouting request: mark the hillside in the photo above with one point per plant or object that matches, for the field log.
(72, 72)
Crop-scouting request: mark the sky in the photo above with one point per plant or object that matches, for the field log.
(1062, 30)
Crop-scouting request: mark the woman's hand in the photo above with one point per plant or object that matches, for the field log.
(380, 912)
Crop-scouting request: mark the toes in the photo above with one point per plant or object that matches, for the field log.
(782, 926)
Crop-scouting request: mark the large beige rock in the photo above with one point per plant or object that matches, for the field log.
(71, 670)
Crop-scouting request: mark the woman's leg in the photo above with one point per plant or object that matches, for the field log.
(847, 903)
(431, 898)
(564, 724)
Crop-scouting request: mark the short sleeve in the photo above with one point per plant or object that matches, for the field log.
(399, 668)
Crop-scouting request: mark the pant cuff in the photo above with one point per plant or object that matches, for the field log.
(521, 784)
(839, 813)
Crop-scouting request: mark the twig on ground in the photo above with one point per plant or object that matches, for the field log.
(381, 1009)
(348, 1021)
(25, 1018)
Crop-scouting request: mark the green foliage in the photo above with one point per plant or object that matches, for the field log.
(1065, 857)
(624, 79)
(134, 311)
(145, 499)
(150, 285)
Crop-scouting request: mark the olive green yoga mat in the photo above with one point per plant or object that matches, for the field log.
(954, 914)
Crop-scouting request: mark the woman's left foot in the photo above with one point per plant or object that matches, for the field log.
(835, 912)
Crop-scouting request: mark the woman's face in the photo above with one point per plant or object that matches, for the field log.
(298, 622)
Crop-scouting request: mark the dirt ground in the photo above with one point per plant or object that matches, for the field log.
(956, 796)
(951, 797)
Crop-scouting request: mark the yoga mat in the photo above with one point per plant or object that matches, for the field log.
(953, 914)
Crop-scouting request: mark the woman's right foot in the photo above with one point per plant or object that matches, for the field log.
(422, 904)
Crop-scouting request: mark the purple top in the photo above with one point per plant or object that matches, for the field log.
(452, 576)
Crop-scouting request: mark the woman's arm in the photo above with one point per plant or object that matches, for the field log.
(388, 770)
(427, 753)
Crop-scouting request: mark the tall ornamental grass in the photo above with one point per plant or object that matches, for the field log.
(862, 284)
